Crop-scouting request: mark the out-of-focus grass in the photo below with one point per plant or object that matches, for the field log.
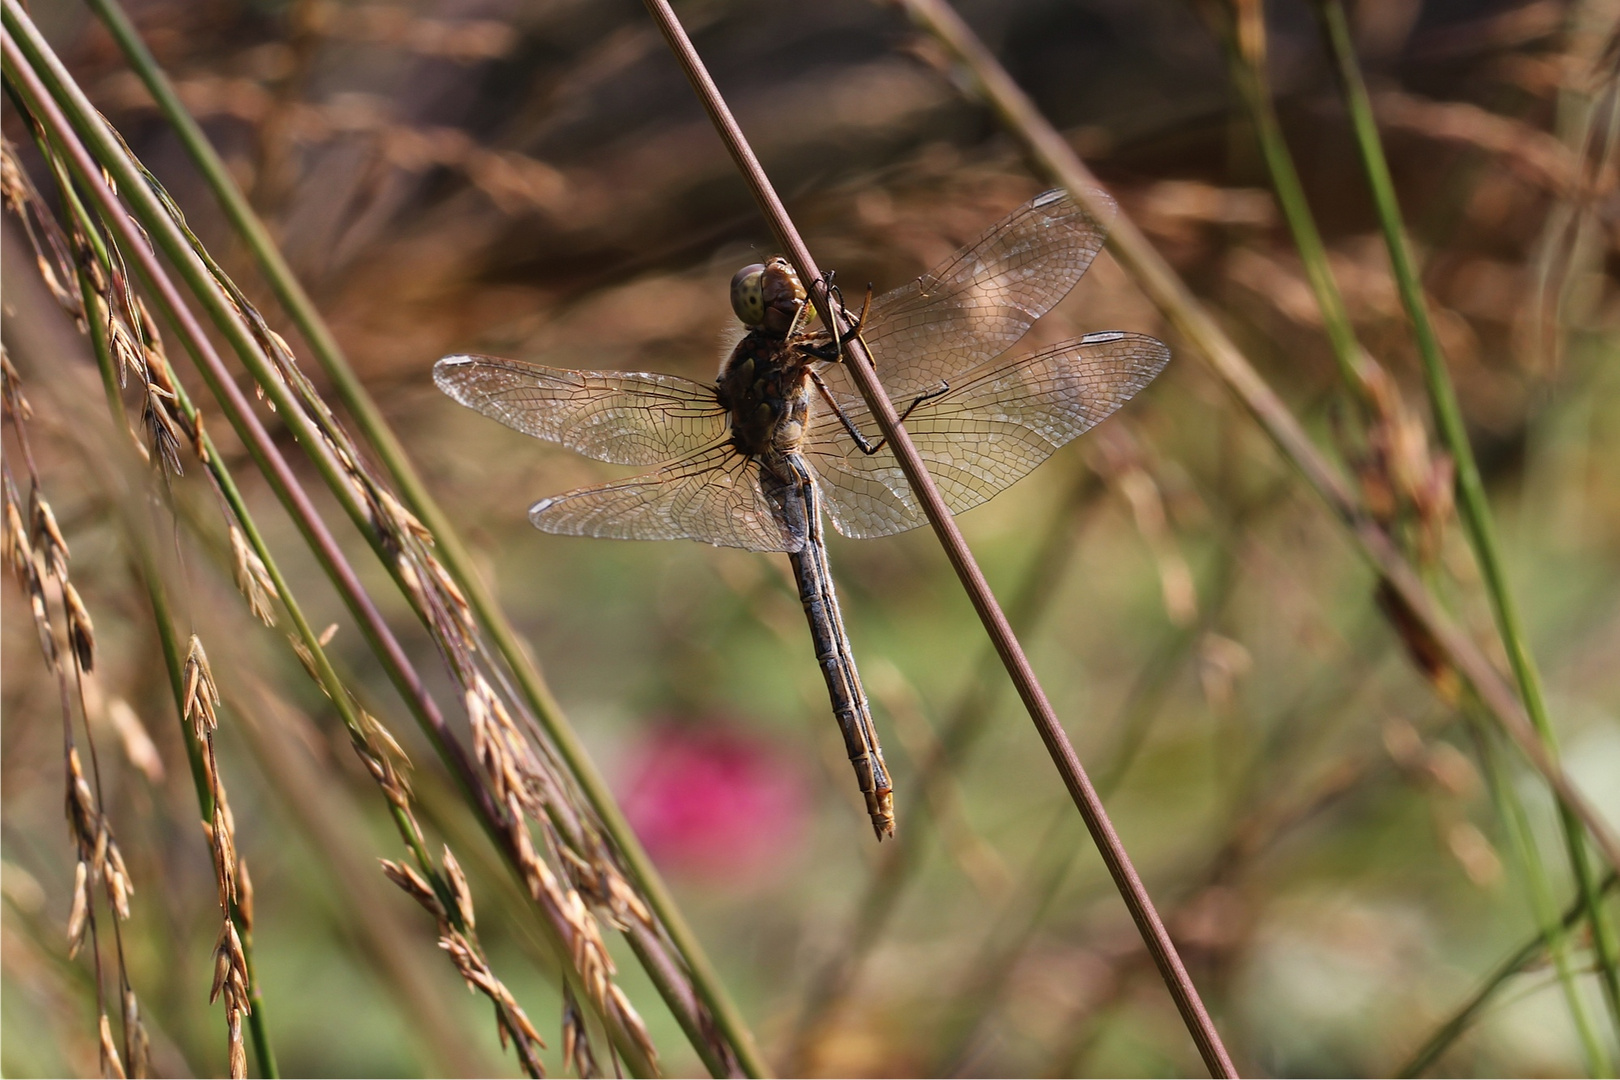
(1305, 809)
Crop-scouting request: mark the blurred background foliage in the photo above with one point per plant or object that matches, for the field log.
(534, 179)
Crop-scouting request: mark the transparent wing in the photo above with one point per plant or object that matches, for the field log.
(996, 423)
(977, 304)
(625, 417)
(713, 496)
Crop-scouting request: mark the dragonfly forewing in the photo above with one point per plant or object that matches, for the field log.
(977, 304)
(994, 425)
(623, 417)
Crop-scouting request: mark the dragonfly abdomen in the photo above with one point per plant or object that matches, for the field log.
(835, 657)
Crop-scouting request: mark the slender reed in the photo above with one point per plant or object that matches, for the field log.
(1171, 969)
(1472, 502)
(1162, 285)
(1398, 476)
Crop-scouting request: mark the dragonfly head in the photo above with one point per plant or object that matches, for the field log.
(767, 296)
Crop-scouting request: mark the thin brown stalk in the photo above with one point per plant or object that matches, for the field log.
(1051, 731)
(1183, 311)
(1023, 913)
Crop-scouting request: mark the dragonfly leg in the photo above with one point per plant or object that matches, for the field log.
(833, 351)
(858, 321)
(869, 448)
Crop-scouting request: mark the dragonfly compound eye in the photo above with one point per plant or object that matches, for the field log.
(748, 294)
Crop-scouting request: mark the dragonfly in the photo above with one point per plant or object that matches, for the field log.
(778, 442)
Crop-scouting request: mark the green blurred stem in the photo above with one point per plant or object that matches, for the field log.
(162, 228)
(257, 1028)
(1554, 935)
(1472, 503)
(174, 661)
(1254, 86)
(1523, 957)
(389, 451)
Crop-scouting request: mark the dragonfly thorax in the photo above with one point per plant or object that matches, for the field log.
(765, 388)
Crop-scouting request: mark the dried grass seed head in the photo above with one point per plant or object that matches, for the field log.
(81, 630)
(45, 535)
(252, 577)
(200, 699)
(110, 1063)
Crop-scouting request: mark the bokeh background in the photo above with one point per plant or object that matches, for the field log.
(533, 179)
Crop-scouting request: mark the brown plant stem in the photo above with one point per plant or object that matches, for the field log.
(1135, 894)
(1183, 311)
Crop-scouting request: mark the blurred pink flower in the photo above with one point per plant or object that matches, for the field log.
(709, 799)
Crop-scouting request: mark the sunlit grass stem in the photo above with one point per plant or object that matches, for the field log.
(329, 354)
(1472, 502)
(32, 61)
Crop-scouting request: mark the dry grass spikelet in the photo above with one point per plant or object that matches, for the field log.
(415, 886)
(81, 630)
(201, 697)
(11, 396)
(110, 1063)
(251, 576)
(139, 748)
(16, 550)
(244, 896)
(459, 889)
(135, 1037)
(576, 1040)
(125, 349)
(376, 729)
(222, 841)
(238, 1050)
(162, 426)
(78, 916)
(46, 536)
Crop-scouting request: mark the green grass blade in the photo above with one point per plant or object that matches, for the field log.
(1472, 502)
